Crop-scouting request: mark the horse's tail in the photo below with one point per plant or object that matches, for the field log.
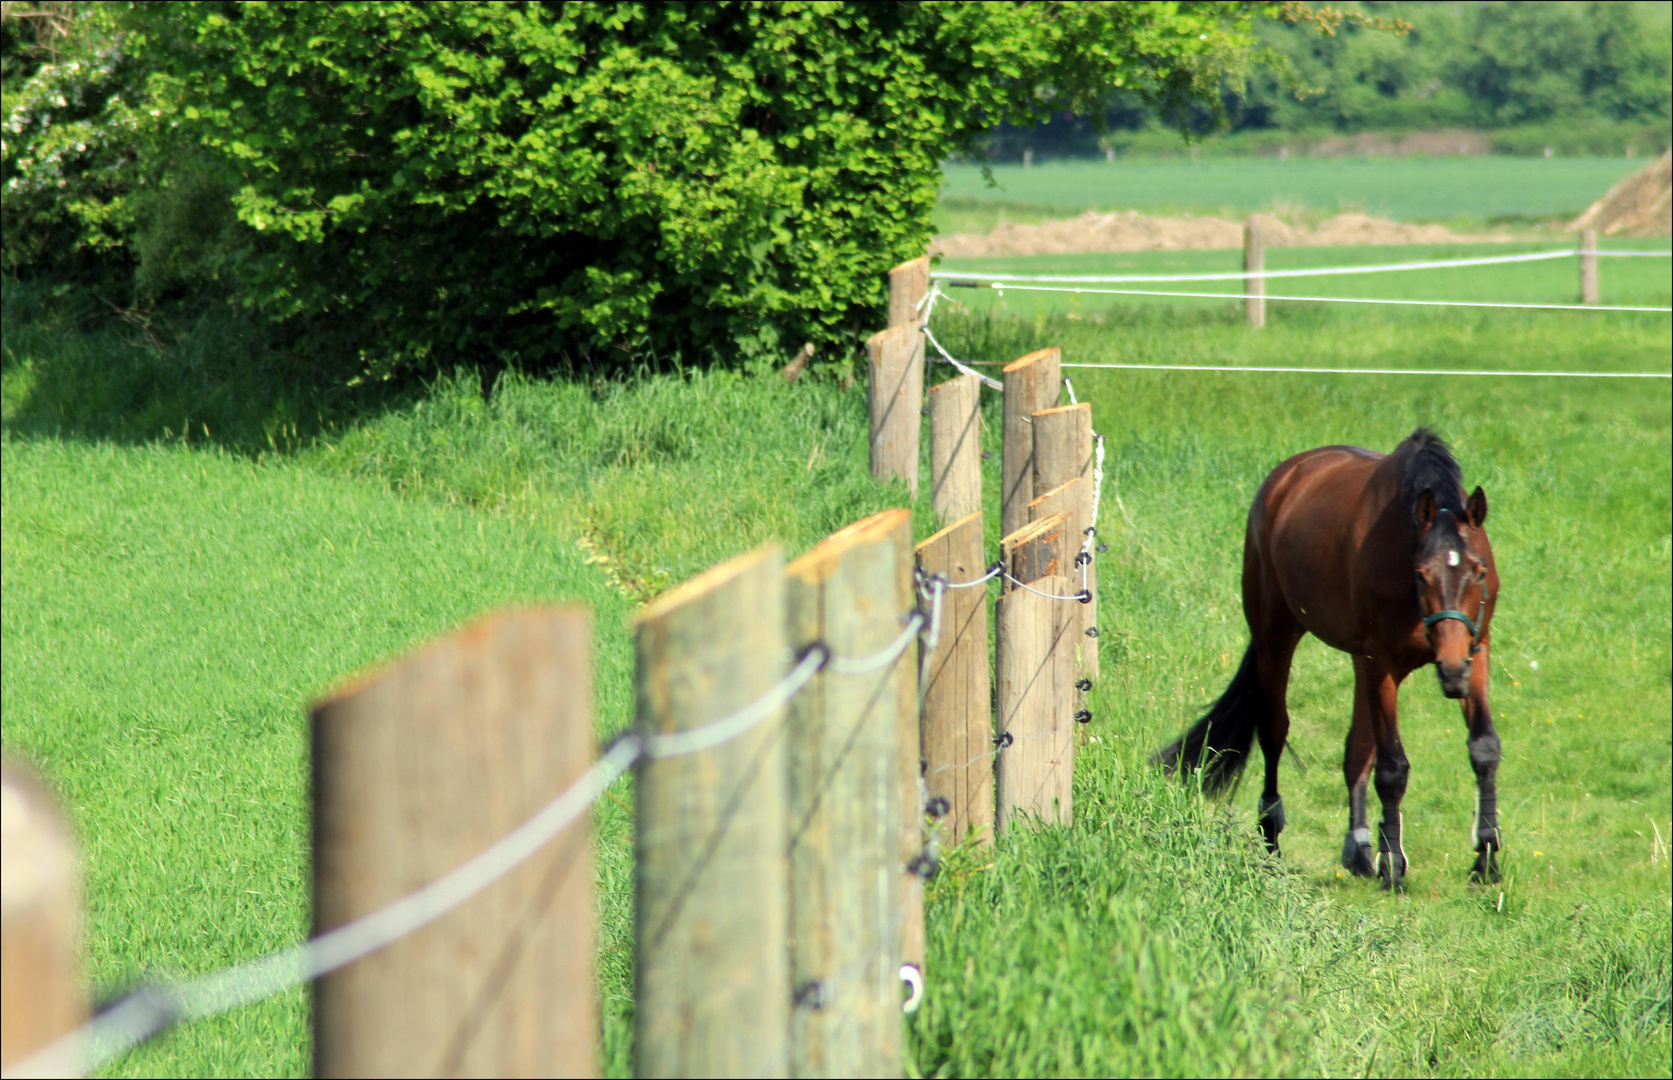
(1219, 742)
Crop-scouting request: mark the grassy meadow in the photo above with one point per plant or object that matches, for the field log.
(174, 601)
(1466, 192)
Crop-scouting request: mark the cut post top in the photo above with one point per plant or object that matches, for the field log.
(1054, 410)
(1031, 359)
(944, 533)
(910, 264)
(953, 383)
(706, 582)
(883, 337)
(1034, 530)
(1055, 492)
(821, 562)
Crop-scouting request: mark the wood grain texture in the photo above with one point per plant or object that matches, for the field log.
(1039, 549)
(847, 811)
(955, 456)
(1064, 450)
(1031, 383)
(896, 401)
(416, 769)
(713, 891)
(908, 285)
(1035, 694)
(957, 722)
(41, 987)
(1254, 261)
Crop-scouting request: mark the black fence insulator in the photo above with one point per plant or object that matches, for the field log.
(924, 866)
(1102, 547)
(1083, 685)
(987, 455)
(810, 995)
(1084, 596)
(1092, 631)
(923, 766)
(1083, 717)
(1082, 559)
(963, 284)
(938, 807)
(1004, 740)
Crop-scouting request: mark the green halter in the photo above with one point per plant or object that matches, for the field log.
(1449, 613)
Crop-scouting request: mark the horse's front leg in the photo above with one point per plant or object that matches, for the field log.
(1484, 759)
(1389, 772)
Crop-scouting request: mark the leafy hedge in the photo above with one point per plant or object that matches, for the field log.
(701, 181)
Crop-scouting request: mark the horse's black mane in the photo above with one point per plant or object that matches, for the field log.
(1432, 468)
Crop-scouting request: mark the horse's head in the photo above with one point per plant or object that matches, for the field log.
(1452, 571)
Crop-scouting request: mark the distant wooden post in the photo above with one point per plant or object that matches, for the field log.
(415, 770)
(896, 400)
(1063, 449)
(713, 992)
(1254, 262)
(41, 995)
(1588, 266)
(908, 285)
(957, 721)
(1035, 694)
(955, 455)
(1031, 384)
(846, 805)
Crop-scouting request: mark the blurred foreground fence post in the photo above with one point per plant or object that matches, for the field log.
(1588, 266)
(1254, 263)
(896, 399)
(957, 722)
(846, 803)
(1032, 383)
(41, 996)
(955, 456)
(416, 769)
(713, 993)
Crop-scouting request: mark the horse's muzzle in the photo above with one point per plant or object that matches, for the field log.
(1455, 678)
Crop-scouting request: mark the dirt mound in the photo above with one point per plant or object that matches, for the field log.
(1131, 231)
(1637, 206)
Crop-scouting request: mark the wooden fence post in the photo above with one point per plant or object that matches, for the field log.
(1035, 693)
(712, 907)
(1063, 449)
(1588, 266)
(896, 402)
(416, 769)
(846, 801)
(957, 722)
(1031, 384)
(908, 285)
(1254, 262)
(41, 997)
(1038, 549)
(955, 456)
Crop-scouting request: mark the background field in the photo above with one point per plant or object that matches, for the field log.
(1463, 191)
(171, 608)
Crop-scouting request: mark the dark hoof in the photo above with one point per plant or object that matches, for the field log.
(1392, 870)
(1486, 868)
(1358, 860)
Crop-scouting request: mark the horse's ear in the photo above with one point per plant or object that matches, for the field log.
(1425, 511)
(1476, 509)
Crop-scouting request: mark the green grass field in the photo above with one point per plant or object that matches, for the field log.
(1463, 191)
(171, 608)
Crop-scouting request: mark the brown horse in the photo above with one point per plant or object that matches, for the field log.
(1336, 538)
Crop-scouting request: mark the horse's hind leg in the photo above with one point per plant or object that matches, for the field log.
(1274, 652)
(1484, 759)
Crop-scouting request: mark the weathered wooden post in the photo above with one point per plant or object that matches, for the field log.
(896, 361)
(1254, 262)
(1031, 384)
(955, 455)
(847, 804)
(1035, 694)
(1063, 449)
(711, 920)
(908, 285)
(1588, 266)
(41, 995)
(1038, 549)
(416, 769)
(957, 724)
